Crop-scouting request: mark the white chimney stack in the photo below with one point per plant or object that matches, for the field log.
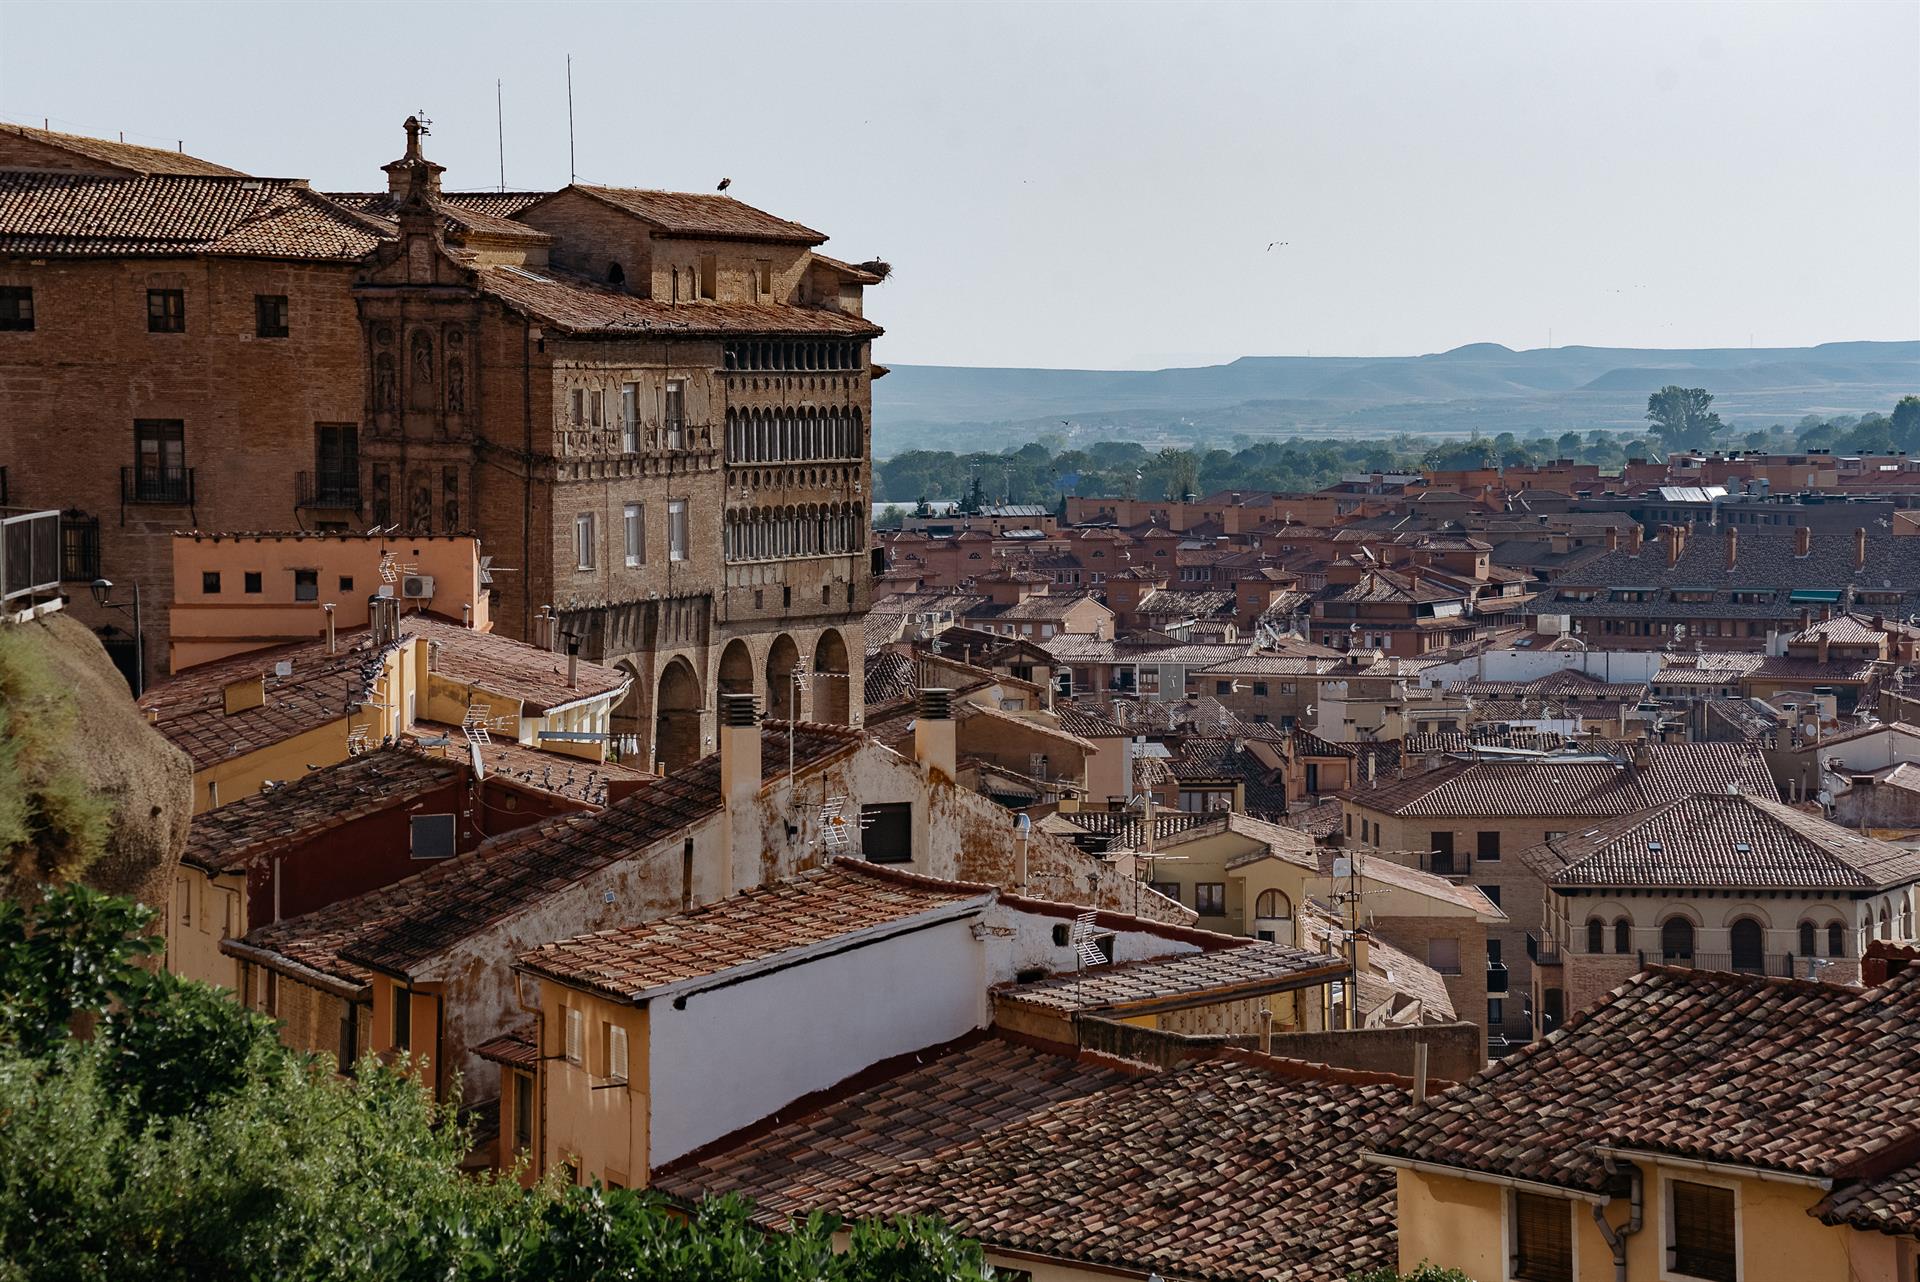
(935, 742)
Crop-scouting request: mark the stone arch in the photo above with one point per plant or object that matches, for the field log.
(1676, 940)
(782, 657)
(1747, 939)
(676, 717)
(628, 722)
(832, 680)
(736, 668)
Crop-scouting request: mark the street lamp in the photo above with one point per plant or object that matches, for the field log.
(102, 594)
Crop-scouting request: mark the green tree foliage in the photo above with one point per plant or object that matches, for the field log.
(185, 1142)
(52, 827)
(1425, 1273)
(1905, 425)
(1683, 417)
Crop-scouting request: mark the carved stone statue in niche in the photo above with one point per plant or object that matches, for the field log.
(383, 397)
(456, 386)
(421, 383)
(450, 499)
(420, 516)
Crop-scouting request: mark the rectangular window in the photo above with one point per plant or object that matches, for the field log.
(433, 837)
(79, 546)
(160, 460)
(1210, 898)
(1493, 894)
(336, 464)
(1542, 1239)
(1700, 1230)
(306, 585)
(709, 276)
(402, 1018)
(210, 582)
(1443, 955)
(522, 1111)
(577, 406)
(633, 522)
(183, 895)
(251, 580)
(585, 540)
(764, 269)
(886, 832)
(677, 530)
(616, 1052)
(1171, 889)
(676, 415)
(16, 307)
(596, 407)
(1260, 689)
(576, 1025)
(1496, 1011)
(270, 315)
(630, 417)
(166, 311)
(1488, 846)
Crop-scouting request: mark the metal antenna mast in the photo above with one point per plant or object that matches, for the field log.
(573, 168)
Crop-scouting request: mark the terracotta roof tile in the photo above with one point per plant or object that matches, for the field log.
(123, 155)
(551, 772)
(680, 213)
(519, 1047)
(844, 898)
(509, 668)
(1781, 1074)
(1551, 788)
(69, 215)
(582, 306)
(1219, 974)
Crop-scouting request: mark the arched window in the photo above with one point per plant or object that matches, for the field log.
(1273, 904)
(1836, 940)
(1676, 941)
(1749, 946)
(1886, 925)
(1807, 939)
(616, 275)
(1622, 936)
(1596, 935)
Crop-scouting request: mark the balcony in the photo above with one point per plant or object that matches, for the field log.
(1778, 964)
(328, 489)
(167, 485)
(1496, 978)
(29, 558)
(1544, 950)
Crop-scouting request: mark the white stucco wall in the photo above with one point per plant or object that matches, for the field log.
(736, 1054)
(1620, 667)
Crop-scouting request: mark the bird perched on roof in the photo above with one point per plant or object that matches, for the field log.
(1281, 243)
(724, 184)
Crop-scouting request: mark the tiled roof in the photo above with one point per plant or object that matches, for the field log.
(1707, 669)
(1232, 1170)
(1411, 990)
(1420, 882)
(501, 204)
(1477, 737)
(458, 216)
(680, 213)
(1567, 684)
(1718, 841)
(1551, 788)
(1854, 629)
(578, 305)
(82, 215)
(1086, 723)
(844, 898)
(1044, 606)
(519, 1047)
(890, 677)
(235, 835)
(1263, 664)
(1222, 974)
(1812, 671)
(512, 669)
(553, 772)
(1179, 603)
(860, 276)
(189, 709)
(122, 155)
(1782, 1074)
(823, 1148)
(411, 921)
(1202, 759)
(1127, 827)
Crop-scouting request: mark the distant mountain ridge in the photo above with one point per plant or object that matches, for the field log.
(1540, 389)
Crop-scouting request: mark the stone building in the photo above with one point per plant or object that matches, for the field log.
(654, 407)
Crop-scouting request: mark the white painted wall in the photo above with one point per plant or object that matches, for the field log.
(1030, 945)
(735, 1055)
(1620, 667)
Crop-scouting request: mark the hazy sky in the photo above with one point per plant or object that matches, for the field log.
(1096, 185)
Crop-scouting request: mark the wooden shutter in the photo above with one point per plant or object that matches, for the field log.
(1703, 1231)
(576, 1027)
(1542, 1239)
(617, 1053)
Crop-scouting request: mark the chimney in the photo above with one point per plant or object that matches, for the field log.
(1642, 756)
(1733, 547)
(739, 785)
(1613, 538)
(573, 661)
(1636, 535)
(466, 615)
(1860, 549)
(333, 646)
(1674, 540)
(934, 743)
(1826, 641)
(1802, 540)
(1806, 618)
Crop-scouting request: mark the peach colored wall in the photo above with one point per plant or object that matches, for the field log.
(604, 1131)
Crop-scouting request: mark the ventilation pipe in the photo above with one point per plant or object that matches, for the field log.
(333, 646)
(1860, 549)
(573, 660)
(740, 775)
(1733, 547)
(935, 742)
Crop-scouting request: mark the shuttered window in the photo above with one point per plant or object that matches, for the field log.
(1542, 1239)
(576, 1035)
(616, 1053)
(1701, 1231)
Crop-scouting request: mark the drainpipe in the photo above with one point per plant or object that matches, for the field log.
(1617, 1238)
(331, 645)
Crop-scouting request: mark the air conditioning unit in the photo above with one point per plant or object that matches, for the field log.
(417, 587)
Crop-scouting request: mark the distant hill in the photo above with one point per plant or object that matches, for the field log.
(1481, 386)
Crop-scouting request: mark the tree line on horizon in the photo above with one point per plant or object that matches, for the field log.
(1045, 472)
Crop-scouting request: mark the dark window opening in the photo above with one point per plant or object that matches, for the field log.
(210, 582)
(160, 460)
(1701, 1233)
(402, 1019)
(166, 311)
(1210, 898)
(1488, 845)
(1542, 1239)
(16, 307)
(79, 546)
(306, 585)
(886, 832)
(270, 315)
(346, 583)
(253, 581)
(616, 274)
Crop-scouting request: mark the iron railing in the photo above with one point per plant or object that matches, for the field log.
(169, 485)
(327, 489)
(1496, 978)
(29, 556)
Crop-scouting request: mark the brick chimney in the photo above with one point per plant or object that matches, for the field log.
(1826, 642)
(1733, 547)
(739, 786)
(1675, 542)
(1860, 548)
(935, 743)
(1636, 535)
(1802, 540)
(1613, 538)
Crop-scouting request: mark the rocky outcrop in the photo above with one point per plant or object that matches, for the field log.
(88, 790)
